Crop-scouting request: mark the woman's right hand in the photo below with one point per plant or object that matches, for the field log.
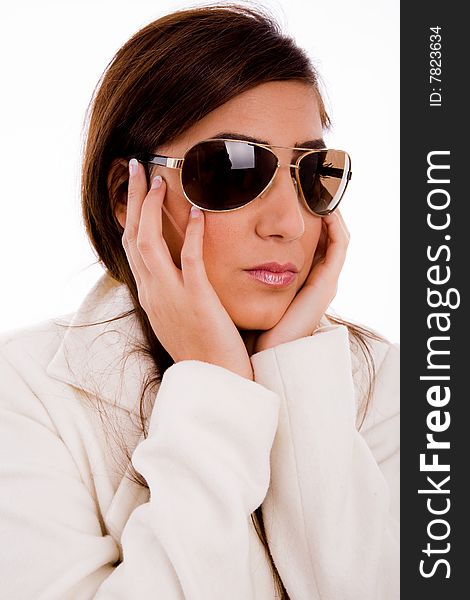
(183, 308)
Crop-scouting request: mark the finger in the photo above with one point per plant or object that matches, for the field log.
(310, 303)
(342, 222)
(336, 227)
(136, 192)
(192, 261)
(330, 260)
(338, 241)
(322, 244)
(150, 241)
(133, 266)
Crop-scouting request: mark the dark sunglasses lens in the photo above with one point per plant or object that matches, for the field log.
(222, 175)
(324, 177)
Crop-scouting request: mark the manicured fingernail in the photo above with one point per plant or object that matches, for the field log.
(156, 182)
(195, 212)
(133, 166)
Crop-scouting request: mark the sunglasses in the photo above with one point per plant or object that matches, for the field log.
(221, 175)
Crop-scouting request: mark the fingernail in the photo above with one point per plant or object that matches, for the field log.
(156, 182)
(133, 166)
(195, 212)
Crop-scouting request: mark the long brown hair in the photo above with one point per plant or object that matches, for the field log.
(168, 76)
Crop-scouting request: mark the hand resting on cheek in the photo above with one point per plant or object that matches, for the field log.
(182, 306)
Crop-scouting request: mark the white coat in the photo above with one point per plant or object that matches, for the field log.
(73, 526)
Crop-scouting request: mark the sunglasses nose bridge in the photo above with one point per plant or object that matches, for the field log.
(291, 165)
(293, 173)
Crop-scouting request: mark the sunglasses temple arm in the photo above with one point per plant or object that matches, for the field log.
(334, 172)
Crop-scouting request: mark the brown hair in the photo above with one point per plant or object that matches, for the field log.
(168, 76)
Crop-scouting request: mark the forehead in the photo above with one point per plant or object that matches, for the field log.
(282, 113)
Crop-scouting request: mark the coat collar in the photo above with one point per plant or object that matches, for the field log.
(98, 358)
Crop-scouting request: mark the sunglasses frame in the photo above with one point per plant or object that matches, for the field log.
(177, 163)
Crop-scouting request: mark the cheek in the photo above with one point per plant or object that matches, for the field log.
(310, 245)
(222, 251)
(313, 229)
(225, 257)
(174, 224)
(221, 242)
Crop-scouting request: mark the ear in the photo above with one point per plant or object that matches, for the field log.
(117, 181)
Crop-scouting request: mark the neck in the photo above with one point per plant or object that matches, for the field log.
(249, 337)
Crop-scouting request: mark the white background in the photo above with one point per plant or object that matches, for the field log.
(52, 55)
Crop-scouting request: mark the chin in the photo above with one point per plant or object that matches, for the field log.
(257, 319)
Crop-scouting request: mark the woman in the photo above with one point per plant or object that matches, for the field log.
(201, 428)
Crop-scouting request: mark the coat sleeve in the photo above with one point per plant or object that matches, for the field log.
(206, 461)
(336, 487)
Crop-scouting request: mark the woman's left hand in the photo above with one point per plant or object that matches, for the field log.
(313, 298)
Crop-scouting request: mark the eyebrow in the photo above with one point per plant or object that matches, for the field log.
(316, 144)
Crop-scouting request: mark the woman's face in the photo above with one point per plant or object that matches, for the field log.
(273, 228)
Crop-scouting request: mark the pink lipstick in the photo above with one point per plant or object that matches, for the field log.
(273, 274)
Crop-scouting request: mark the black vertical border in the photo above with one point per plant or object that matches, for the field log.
(426, 128)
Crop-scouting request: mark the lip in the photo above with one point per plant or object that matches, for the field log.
(273, 274)
(275, 267)
(272, 279)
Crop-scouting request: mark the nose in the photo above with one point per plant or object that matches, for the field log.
(280, 211)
